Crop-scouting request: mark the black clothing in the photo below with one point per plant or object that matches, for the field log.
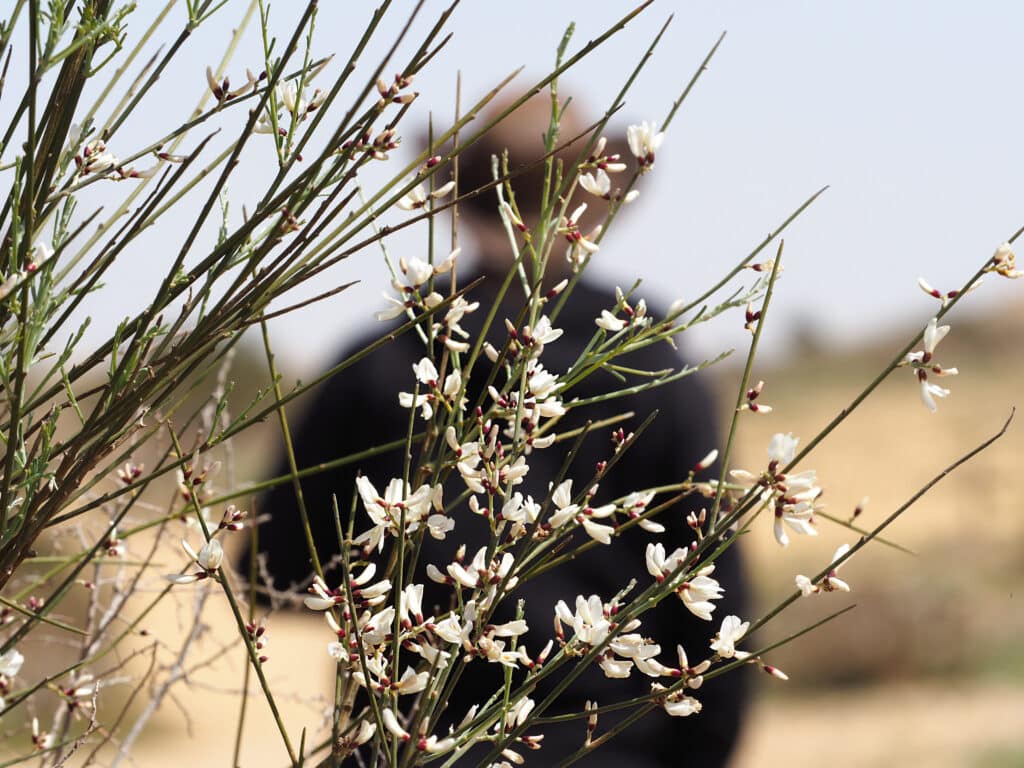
(360, 408)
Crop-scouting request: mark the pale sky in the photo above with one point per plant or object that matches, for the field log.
(909, 111)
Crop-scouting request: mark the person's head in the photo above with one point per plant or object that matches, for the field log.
(522, 135)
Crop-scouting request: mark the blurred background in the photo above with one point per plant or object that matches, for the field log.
(909, 113)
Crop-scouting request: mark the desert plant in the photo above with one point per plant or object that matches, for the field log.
(77, 417)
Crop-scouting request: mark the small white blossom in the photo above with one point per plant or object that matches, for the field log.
(644, 141)
(933, 334)
(417, 197)
(831, 581)
(589, 623)
(798, 518)
(805, 585)
(10, 663)
(697, 593)
(782, 447)
(678, 704)
(598, 184)
(1004, 262)
(661, 566)
(731, 632)
(598, 532)
(615, 668)
(610, 322)
(208, 559)
(94, 158)
(924, 365)
(929, 392)
(391, 723)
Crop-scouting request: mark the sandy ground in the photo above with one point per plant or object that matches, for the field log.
(931, 725)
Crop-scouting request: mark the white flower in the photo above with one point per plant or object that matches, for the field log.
(386, 512)
(678, 704)
(805, 585)
(449, 629)
(412, 682)
(265, 124)
(929, 392)
(519, 712)
(423, 402)
(710, 458)
(509, 629)
(208, 558)
(434, 745)
(615, 668)
(542, 334)
(598, 184)
(833, 583)
(1003, 262)
(10, 663)
(775, 672)
(661, 566)
(391, 723)
(365, 733)
(651, 527)
(589, 623)
(644, 141)
(95, 158)
(683, 707)
(321, 599)
(653, 667)
(397, 308)
(697, 593)
(438, 526)
(636, 502)
(598, 532)
(416, 270)
(782, 447)
(580, 246)
(425, 371)
(413, 199)
(923, 364)
(731, 632)
(610, 322)
(797, 517)
(417, 196)
(933, 334)
(562, 498)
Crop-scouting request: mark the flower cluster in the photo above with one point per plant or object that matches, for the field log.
(793, 495)
(635, 317)
(417, 274)
(94, 158)
(427, 375)
(696, 591)
(594, 176)
(222, 90)
(923, 364)
(401, 511)
(830, 583)
(1003, 262)
(580, 246)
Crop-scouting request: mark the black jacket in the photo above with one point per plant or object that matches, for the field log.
(360, 408)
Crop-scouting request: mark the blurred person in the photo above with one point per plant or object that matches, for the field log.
(359, 409)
